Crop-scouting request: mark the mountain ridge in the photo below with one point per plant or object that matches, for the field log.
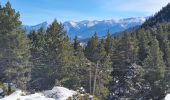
(86, 28)
(160, 17)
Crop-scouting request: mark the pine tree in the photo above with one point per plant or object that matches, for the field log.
(167, 62)
(143, 45)
(40, 78)
(91, 48)
(60, 53)
(125, 72)
(167, 53)
(154, 67)
(14, 53)
(96, 53)
(92, 54)
(104, 73)
(101, 53)
(78, 49)
(109, 44)
(78, 76)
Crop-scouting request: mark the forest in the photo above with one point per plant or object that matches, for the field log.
(133, 65)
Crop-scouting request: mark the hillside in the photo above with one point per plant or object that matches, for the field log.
(163, 16)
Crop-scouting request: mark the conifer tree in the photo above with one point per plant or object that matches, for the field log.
(167, 53)
(167, 62)
(78, 49)
(14, 53)
(109, 44)
(92, 54)
(40, 78)
(104, 73)
(154, 67)
(96, 53)
(143, 45)
(60, 53)
(79, 73)
(91, 48)
(125, 72)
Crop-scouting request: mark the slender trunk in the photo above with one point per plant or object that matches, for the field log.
(95, 78)
(90, 80)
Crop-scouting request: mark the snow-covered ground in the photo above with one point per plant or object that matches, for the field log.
(18, 96)
(57, 93)
(167, 97)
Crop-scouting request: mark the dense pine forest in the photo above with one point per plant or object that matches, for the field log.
(134, 65)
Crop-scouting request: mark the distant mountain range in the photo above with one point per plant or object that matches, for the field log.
(85, 29)
(28, 28)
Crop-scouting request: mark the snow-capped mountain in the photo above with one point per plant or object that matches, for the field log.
(85, 29)
(28, 28)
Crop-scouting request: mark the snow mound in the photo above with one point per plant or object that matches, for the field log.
(18, 96)
(167, 97)
(36, 96)
(59, 93)
(14, 96)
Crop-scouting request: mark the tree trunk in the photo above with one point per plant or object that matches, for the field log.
(95, 78)
(90, 80)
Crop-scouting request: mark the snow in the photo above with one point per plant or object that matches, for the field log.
(36, 96)
(132, 20)
(88, 23)
(86, 28)
(14, 96)
(73, 24)
(18, 96)
(167, 97)
(57, 93)
(1, 91)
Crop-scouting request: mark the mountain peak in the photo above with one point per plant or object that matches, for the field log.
(86, 28)
(35, 27)
(137, 19)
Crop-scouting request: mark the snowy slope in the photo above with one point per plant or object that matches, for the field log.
(57, 93)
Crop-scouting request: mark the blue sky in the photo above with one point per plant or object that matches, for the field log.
(37, 11)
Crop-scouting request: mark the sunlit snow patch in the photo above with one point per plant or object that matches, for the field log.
(167, 97)
(57, 93)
